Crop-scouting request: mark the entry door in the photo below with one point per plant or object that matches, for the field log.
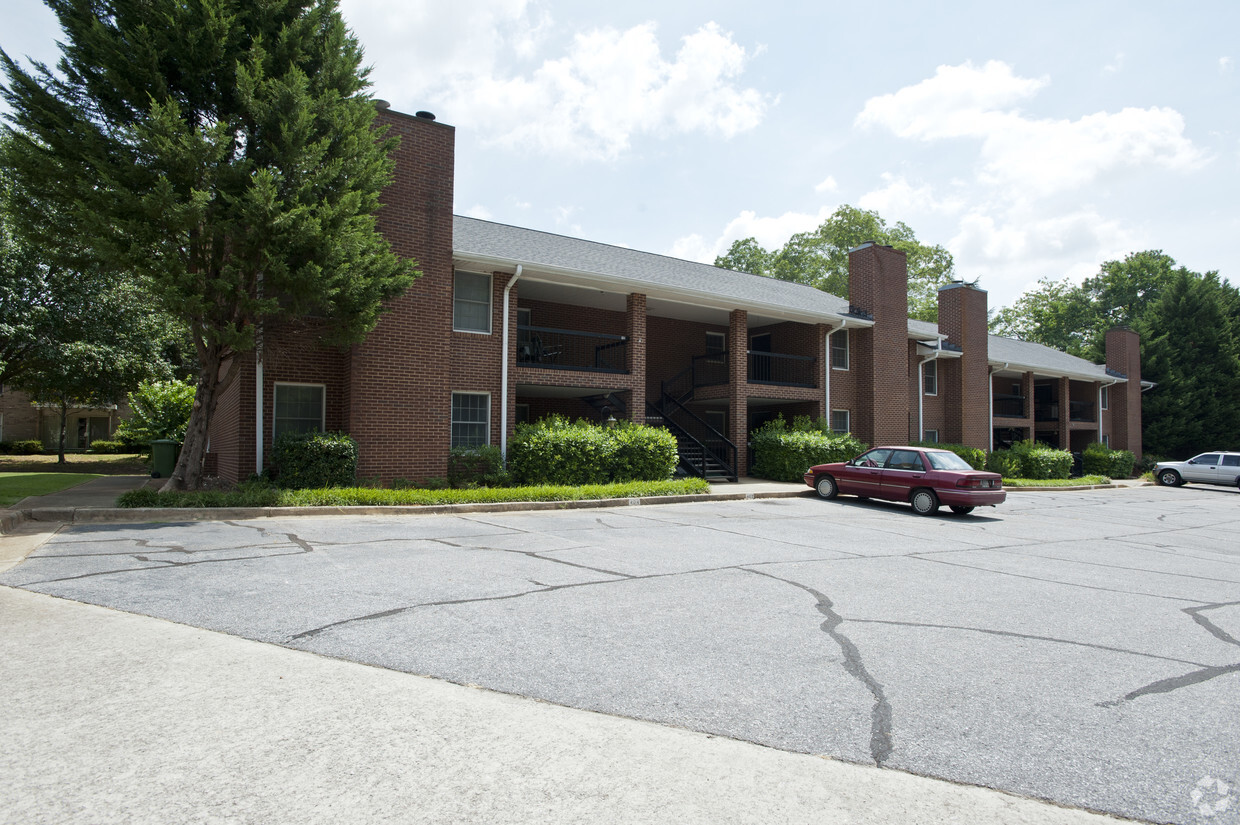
(759, 346)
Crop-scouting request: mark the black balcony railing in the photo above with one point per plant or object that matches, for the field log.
(1010, 406)
(710, 369)
(1081, 411)
(566, 349)
(786, 370)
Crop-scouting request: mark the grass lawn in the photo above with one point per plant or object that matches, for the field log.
(1056, 482)
(104, 465)
(16, 486)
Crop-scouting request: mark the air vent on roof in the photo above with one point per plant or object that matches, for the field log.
(424, 115)
(382, 104)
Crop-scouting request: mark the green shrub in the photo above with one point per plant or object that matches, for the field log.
(159, 409)
(481, 466)
(641, 453)
(309, 460)
(1004, 462)
(1099, 459)
(781, 453)
(108, 447)
(32, 446)
(975, 457)
(557, 451)
(6, 447)
(1038, 461)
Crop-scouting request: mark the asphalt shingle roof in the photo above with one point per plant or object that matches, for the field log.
(534, 249)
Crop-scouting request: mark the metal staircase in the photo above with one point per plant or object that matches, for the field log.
(704, 451)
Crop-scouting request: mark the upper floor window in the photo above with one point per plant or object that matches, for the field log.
(716, 345)
(471, 302)
(930, 377)
(1106, 398)
(299, 408)
(839, 349)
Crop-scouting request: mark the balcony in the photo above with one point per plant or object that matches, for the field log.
(1009, 406)
(566, 349)
(1081, 411)
(1050, 411)
(784, 370)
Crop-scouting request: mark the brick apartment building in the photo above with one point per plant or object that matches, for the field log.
(509, 324)
(22, 420)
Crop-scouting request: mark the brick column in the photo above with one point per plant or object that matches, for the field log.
(1065, 415)
(635, 331)
(962, 318)
(738, 387)
(878, 285)
(1123, 348)
(821, 331)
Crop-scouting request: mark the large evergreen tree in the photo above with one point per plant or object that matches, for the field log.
(819, 258)
(221, 151)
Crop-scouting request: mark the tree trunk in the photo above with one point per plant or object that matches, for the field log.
(188, 473)
(64, 419)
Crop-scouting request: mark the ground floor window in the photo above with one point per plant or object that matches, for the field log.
(471, 419)
(840, 422)
(299, 408)
(930, 377)
(931, 435)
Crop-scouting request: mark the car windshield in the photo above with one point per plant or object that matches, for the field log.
(947, 461)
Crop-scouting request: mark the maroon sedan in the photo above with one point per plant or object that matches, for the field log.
(924, 478)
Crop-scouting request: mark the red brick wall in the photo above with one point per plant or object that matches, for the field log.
(1123, 348)
(878, 285)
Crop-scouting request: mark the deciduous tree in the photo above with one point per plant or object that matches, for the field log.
(819, 258)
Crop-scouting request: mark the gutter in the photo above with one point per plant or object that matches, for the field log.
(1101, 387)
(503, 370)
(826, 371)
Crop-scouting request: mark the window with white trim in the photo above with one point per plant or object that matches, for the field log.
(840, 422)
(298, 408)
(930, 377)
(716, 345)
(932, 436)
(471, 302)
(471, 419)
(839, 349)
(1106, 398)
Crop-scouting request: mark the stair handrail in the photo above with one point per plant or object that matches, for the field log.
(728, 461)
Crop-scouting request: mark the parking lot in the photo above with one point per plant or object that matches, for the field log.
(1080, 647)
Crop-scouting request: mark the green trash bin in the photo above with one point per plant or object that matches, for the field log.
(163, 457)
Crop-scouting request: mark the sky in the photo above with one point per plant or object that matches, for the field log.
(1032, 140)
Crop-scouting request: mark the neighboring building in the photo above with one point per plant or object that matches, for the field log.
(509, 324)
(20, 420)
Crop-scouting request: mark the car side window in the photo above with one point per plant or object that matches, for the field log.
(1210, 459)
(905, 460)
(1231, 461)
(874, 458)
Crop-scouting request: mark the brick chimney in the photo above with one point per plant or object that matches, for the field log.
(966, 381)
(878, 286)
(400, 432)
(1124, 356)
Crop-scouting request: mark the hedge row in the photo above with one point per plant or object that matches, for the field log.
(783, 453)
(1099, 459)
(557, 451)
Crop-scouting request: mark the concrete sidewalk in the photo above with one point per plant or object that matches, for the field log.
(112, 717)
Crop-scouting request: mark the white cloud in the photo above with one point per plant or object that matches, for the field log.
(478, 211)
(897, 198)
(770, 233)
(1115, 65)
(1025, 156)
(1225, 65)
(828, 185)
(482, 64)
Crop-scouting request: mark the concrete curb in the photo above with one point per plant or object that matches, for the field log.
(102, 515)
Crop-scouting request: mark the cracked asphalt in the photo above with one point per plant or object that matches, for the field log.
(1079, 647)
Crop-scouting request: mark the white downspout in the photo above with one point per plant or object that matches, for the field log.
(503, 370)
(1101, 387)
(826, 372)
(921, 390)
(990, 399)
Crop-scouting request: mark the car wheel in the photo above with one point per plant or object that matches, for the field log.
(1169, 478)
(826, 487)
(961, 510)
(925, 502)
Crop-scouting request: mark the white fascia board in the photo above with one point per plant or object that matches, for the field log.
(1047, 372)
(616, 283)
